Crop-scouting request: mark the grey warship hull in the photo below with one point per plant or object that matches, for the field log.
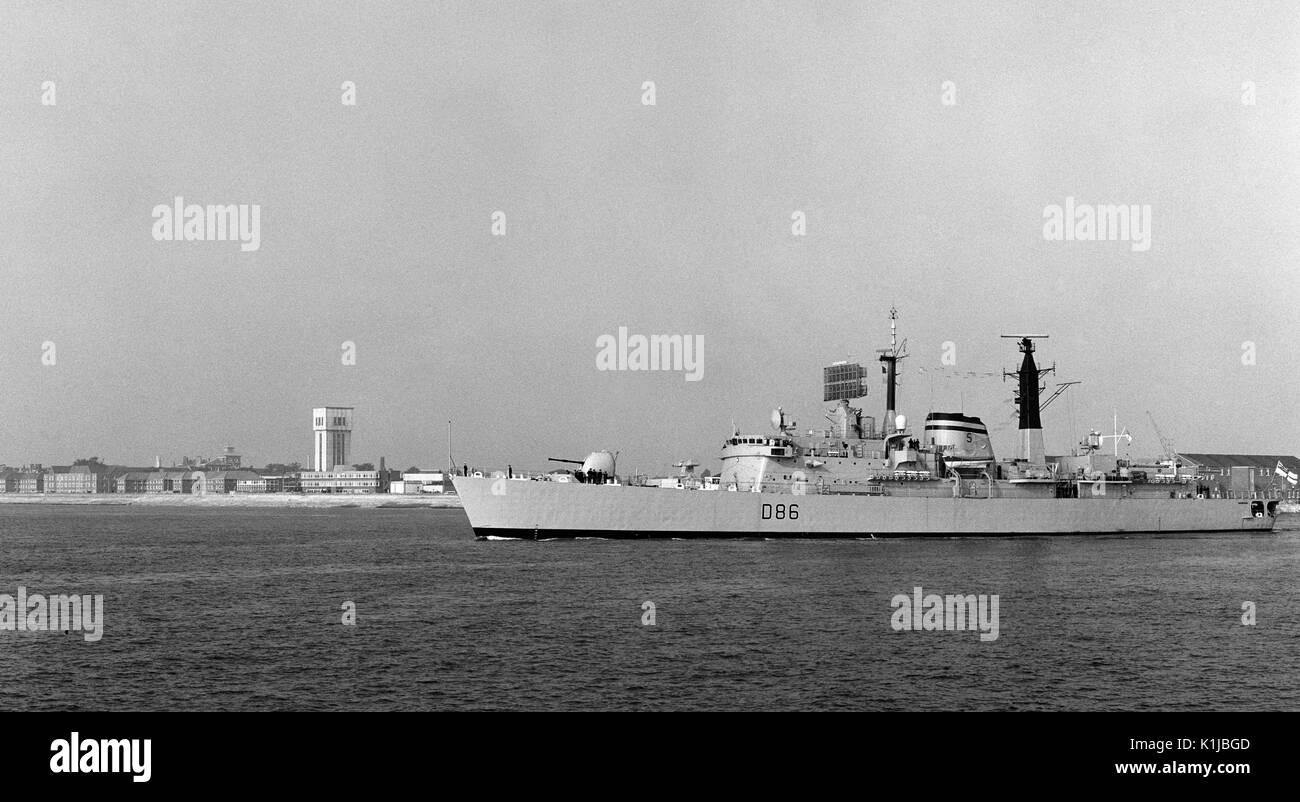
(538, 510)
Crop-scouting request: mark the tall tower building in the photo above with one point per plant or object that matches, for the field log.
(332, 430)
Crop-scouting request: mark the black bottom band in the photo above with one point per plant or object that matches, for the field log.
(625, 534)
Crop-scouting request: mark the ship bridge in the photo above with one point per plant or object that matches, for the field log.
(759, 446)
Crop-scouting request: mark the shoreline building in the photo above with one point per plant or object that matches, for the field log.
(423, 481)
(31, 479)
(1248, 473)
(332, 437)
(133, 481)
(269, 483)
(78, 479)
(332, 447)
(343, 480)
(228, 461)
(226, 481)
(172, 481)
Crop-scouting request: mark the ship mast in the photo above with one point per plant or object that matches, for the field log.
(890, 359)
(1117, 435)
(1031, 425)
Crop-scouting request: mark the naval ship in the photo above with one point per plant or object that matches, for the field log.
(852, 480)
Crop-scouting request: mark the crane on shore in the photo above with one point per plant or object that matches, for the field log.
(1173, 458)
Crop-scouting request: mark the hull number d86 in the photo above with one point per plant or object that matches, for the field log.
(781, 512)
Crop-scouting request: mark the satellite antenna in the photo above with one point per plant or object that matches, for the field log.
(779, 422)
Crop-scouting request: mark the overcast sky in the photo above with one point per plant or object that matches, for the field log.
(672, 218)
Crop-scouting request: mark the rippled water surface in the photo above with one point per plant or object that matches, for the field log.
(239, 609)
